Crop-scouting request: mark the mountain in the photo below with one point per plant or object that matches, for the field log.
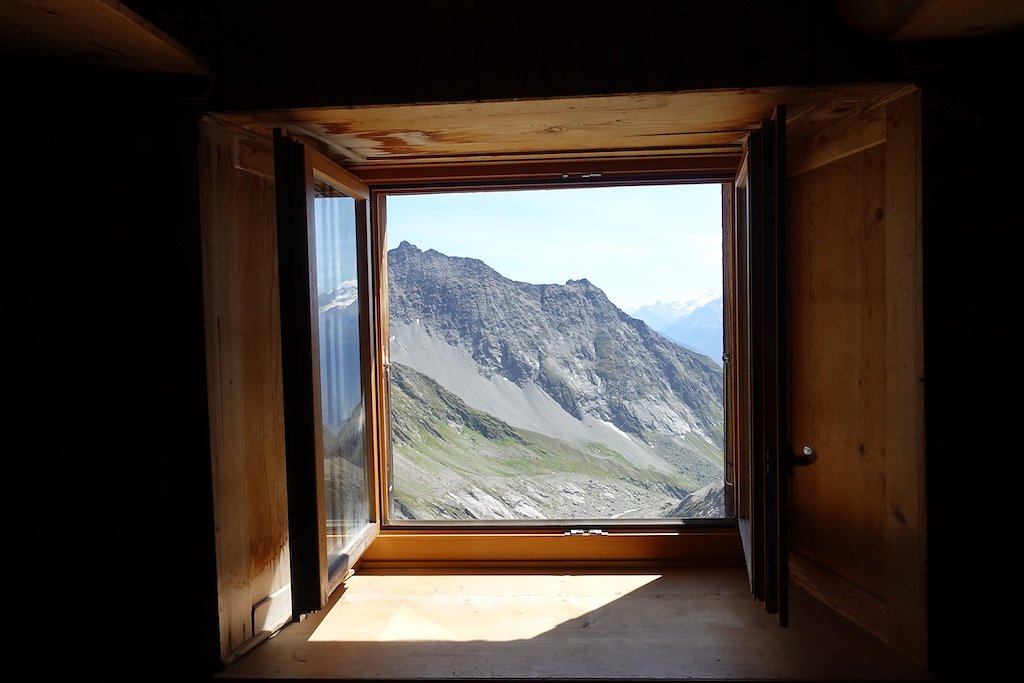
(453, 461)
(661, 314)
(695, 323)
(484, 367)
(700, 330)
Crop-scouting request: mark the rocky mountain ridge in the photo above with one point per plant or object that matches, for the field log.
(562, 368)
(569, 340)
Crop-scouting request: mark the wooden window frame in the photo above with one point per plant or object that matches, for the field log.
(313, 575)
(518, 543)
(674, 543)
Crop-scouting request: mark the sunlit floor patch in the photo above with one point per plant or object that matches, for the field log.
(460, 608)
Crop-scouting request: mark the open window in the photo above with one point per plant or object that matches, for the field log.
(392, 151)
(463, 372)
(498, 408)
(554, 354)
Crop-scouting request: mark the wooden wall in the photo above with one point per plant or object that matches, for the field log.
(858, 513)
(858, 535)
(244, 375)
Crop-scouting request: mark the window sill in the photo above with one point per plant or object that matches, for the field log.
(527, 624)
(708, 546)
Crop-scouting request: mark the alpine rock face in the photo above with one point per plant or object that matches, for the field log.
(512, 400)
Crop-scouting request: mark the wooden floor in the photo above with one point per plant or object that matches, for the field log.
(682, 624)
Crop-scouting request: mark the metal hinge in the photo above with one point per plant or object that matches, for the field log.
(586, 532)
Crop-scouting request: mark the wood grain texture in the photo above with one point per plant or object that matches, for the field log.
(906, 558)
(650, 123)
(676, 624)
(838, 337)
(857, 332)
(254, 155)
(397, 549)
(865, 610)
(244, 379)
(835, 141)
(102, 32)
(324, 168)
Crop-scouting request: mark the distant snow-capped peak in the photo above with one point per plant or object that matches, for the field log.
(665, 312)
(342, 296)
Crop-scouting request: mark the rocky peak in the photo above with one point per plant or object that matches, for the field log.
(569, 340)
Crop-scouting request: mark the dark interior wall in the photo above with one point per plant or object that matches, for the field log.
(280, 53)
(972, 222)
(107, 480)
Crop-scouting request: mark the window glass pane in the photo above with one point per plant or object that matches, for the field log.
(341, 388)
(556, 354)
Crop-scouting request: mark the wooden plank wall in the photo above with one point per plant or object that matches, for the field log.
(858, 514)
(244, 375)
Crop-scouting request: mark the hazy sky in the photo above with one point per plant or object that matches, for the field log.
(638, 244)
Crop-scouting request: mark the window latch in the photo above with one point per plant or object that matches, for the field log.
(586, 532)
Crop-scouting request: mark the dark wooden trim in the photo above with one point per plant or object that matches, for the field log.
(768, 417)
(300, 374)
(783, 448)
(776, 369)
(763, 420)
(766, 378)
(704, 168)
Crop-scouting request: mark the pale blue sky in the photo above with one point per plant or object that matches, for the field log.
(639, 244)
